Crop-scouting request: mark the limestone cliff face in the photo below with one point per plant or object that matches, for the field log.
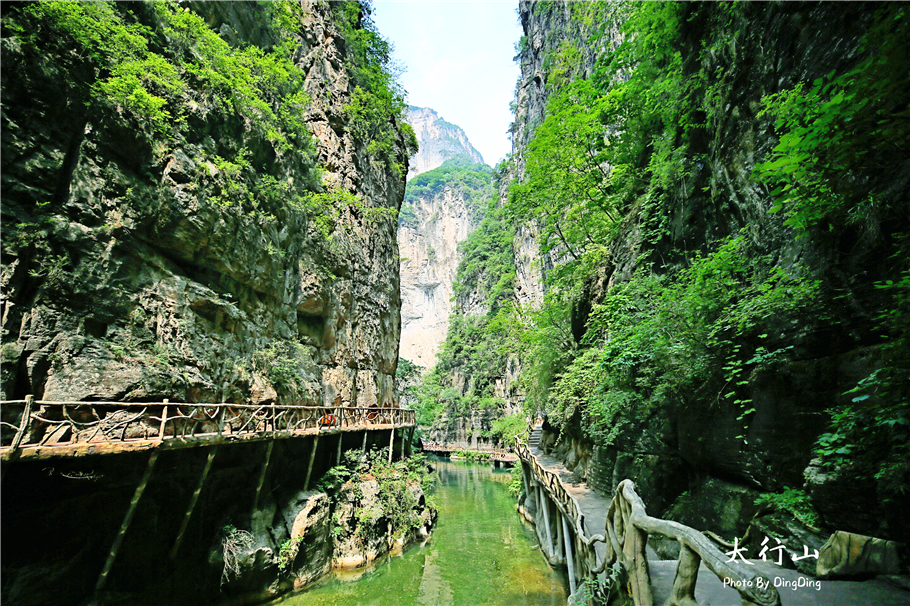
(440, 210)
(678, 448)
(546, 26)
(153, 276)
(438, 140)
(428, 247)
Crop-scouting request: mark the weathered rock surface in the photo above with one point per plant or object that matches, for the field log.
(690, 459)
(546, 26)
(140, 286)
(853, 555)
(431, 227)
(139, 267)
(438, 140)
(429, 261)
(464, 430)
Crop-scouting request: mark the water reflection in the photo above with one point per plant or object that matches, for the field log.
(481, 554)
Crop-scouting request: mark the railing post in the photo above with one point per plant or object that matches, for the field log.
(683, 592)
(163, 420)
(221, 420)
(637, 563)
(274, 419)
(23, 425)
(569, 558)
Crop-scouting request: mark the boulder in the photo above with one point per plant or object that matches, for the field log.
(855, 555)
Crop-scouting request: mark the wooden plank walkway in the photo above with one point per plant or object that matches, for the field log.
(795, 588)
(36, 429)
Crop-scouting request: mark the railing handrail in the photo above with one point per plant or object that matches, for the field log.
(628, 508)
(564, 499)
(627, 528)
(55, 424)
(207, 404)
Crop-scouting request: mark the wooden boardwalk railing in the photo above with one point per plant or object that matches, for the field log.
(628, 527)
(43, 429)
(627, 530)
(565, 501)
(496, 454)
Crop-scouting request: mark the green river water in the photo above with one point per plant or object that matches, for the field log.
(481, 554)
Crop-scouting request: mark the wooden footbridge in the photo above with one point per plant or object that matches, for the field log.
(38, 430)
(498, 455)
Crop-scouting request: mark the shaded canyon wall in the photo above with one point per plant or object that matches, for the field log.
(689, 460)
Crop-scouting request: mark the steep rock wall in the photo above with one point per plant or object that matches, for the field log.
(694, 446)
(192, 260)
(547, 27)
(434, 221)
(428, 247)
(138, 285)
(438, 141)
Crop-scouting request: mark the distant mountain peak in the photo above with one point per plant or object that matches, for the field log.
(439, 140)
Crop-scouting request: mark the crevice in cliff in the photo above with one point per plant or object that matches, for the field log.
(68, 166)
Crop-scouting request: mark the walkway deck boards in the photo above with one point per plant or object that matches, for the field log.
(709, 590)
(39, 452)
(43, 429)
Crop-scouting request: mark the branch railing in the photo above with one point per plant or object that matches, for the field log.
(463, 446)
(563, 499)
(628, 527)
(39, 423)
(627, 530)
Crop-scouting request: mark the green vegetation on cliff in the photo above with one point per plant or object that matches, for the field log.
(477, 343)
(724, 243)
(378, 99)
(181, 140)
(158, 66)
(704, 319)
(472, 181)
(395, 500)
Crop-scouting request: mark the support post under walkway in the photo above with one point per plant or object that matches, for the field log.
(569, 559)
(124, 526)
(309, 469)
(193, 500)
(391, 444)
(546, 520)
(265, 466)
